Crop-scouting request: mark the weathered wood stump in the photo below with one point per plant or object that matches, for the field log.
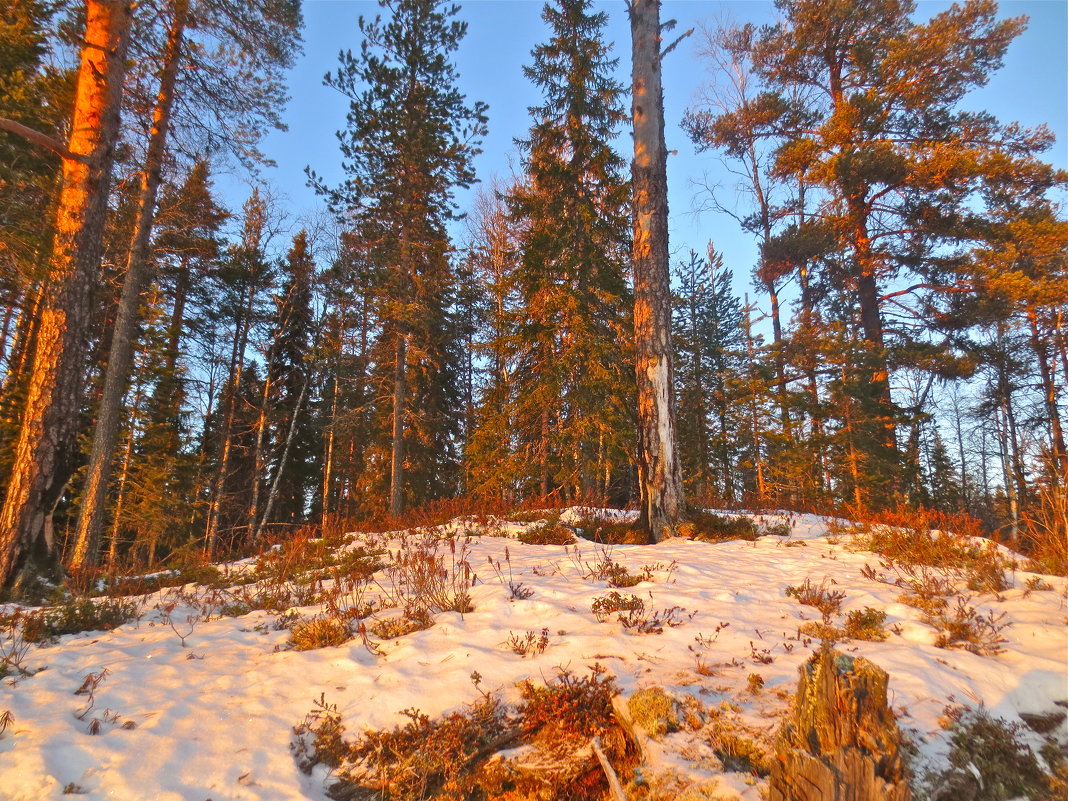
(841, 743)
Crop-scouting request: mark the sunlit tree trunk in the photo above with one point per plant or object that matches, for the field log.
(659, 472)
(1040, 345)
(56, 380)
(400, 387)
(106, 431)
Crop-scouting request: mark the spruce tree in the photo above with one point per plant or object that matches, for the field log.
(292, 459)
(492, 257)
(409, 143)
(709, 352)
(571, 395)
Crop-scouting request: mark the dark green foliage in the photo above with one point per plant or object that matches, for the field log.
(1007, 767)
(291, 459)
(866, 624)
(408, 144)
(711, 527)
(709, 350)
(568, 402)
(75, 616)
(547, 534)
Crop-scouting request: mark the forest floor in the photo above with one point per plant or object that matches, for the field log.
(197, 695)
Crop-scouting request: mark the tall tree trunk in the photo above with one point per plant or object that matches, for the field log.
(23, 345)
(282, 461)
(138, 272)
(328, 455)
(1040, 345)
(754, 410)
(1007, 474)
(400, 387)
(177, 322)
(50, 417)
(228, 401)
(659, 472)
(10, 313)
(254, 525)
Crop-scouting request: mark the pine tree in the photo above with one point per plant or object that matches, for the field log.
(709, 351)
(867, 103)
(570, 398)
(409, 143)
(659, 473)
(41, 464)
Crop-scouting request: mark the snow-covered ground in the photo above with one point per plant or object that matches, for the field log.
(213, 719)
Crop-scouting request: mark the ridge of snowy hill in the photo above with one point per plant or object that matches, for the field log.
(189, 702)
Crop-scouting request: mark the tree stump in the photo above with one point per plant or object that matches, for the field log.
(841, 743)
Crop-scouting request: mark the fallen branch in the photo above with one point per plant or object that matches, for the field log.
(609, 771)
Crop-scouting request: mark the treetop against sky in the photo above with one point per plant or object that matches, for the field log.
(1031, 88)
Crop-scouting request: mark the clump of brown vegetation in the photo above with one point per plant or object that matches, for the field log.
(547, 533)
(866, 624)
(819, 596)
(529, 643)
(710, 527)
(319, 632)
(455, 756)
(965, 627)
(77, 615)
(604, 606)
(951, 543)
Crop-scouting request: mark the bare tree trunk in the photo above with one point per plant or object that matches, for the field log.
(1007, 473)
(5, 329)
(229, 400)
(400, 387)
(1040, 345)
(177, 321)
(23, 345)
(659, 473)
(282, 461)
(754, 421)
(138, 273)
(328, 456)
(965, 491)
(257, 456)
(50, 417)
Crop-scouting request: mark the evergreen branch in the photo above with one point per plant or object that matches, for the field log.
(41, 139)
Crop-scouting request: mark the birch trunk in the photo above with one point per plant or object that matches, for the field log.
(138, 273)
(50, 416)
(659, 472)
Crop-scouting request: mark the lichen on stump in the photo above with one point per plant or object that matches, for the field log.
(841, 742)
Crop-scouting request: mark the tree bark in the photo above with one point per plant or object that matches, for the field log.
(1040, 345)
(50, 417)
(138, 273)
(659, 471)
(842, 741)
(282, 461)
(400, 386)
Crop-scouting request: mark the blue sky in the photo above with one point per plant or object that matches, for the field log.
(1032, 88)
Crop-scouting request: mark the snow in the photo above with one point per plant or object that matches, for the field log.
(213, 720)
